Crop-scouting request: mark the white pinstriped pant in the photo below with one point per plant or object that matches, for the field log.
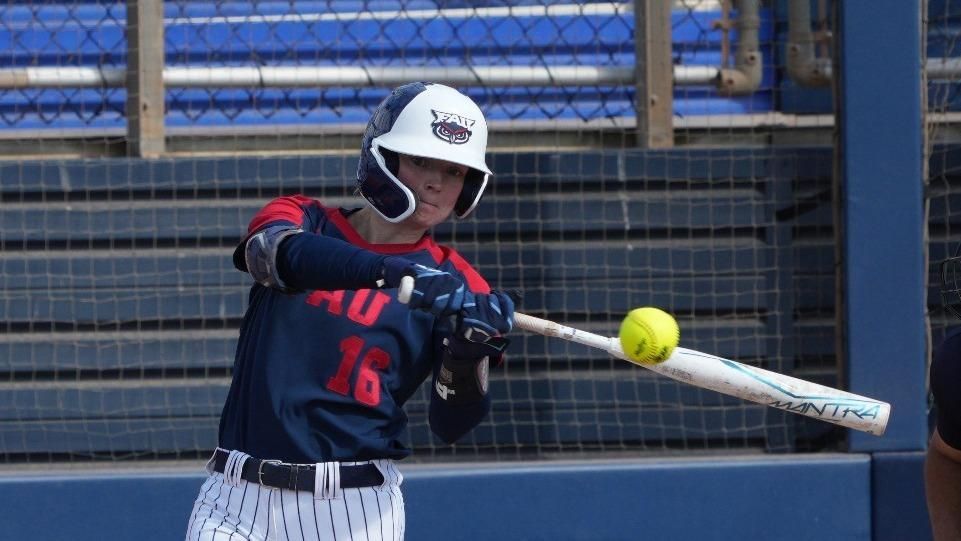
(252, 512)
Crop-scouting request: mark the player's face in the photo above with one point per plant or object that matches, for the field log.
(436, 185)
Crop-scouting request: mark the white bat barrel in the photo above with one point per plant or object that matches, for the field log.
(740, 380)
(776, 390)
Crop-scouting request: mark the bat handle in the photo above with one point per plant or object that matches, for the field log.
(405, 289)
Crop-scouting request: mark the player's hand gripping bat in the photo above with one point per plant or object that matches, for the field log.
(729, 377)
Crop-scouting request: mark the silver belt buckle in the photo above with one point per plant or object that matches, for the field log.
(260, 470)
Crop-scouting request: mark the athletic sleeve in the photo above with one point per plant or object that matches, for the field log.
(450, 422)
(946, 388)
(308, 261)
(281, 251)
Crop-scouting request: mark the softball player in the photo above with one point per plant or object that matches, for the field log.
(327, 356)
(942, 467)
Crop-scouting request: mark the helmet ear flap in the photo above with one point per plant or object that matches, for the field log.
(378, 183)
(470, 195)
(391, 160)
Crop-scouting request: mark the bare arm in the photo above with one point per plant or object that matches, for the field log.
(942, 476)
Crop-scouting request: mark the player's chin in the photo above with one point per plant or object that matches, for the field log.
(428, 215)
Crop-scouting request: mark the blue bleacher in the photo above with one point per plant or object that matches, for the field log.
(198, 35)
(124, 306)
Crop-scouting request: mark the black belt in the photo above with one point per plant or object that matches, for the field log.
(276, 474)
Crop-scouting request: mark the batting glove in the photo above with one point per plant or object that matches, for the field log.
(481, 324)
(477, 342)
(435, 291)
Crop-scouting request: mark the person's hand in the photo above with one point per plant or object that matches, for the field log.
(476, 344)
(435, 291)
(481, 324)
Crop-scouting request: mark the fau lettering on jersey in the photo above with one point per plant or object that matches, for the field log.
(323, 375)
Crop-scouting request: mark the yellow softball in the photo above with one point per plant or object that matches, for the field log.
(649, 335)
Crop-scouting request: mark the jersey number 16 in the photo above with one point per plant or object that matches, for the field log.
(367, 386)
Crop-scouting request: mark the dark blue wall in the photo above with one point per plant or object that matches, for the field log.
(884, 255)
(897, 494)
(823, 497)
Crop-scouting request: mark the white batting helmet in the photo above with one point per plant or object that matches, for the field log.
(431, 121)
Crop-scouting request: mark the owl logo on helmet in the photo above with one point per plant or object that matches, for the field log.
(429, 120)
(451, 127)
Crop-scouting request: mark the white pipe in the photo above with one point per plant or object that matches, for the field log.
(745, 77)
(732, 121)
(943, 68)
(346, 76)
(58, 77)
(696, 75)
(803, 65)
(354, 76)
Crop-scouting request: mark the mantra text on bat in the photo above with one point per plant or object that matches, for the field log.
(833, 410)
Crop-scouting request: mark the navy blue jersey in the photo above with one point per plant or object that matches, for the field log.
(946, 388)
(323, 375)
